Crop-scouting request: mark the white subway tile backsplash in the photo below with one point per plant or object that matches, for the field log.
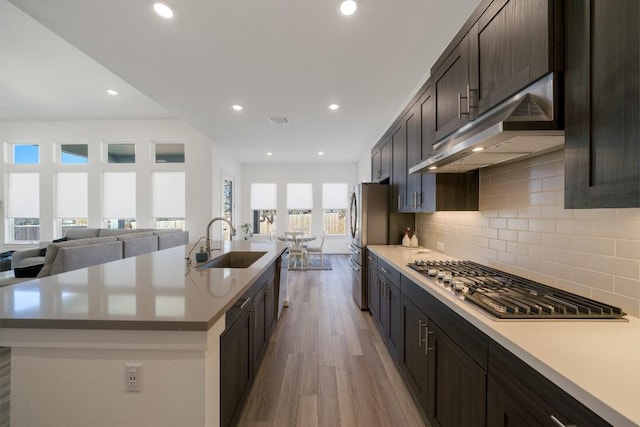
(594, 245)
(627, 248)
(523, 228)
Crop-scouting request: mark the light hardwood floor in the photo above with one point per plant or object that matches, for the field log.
(326, 364)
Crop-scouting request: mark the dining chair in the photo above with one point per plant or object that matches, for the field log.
(317, 250)
(297, 252)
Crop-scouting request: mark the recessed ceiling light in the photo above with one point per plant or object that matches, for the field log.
(320, 153)
(432, 168)
(475, 150)
(163, 10)
(269, 153)
(334, 106)
(237, 107)
(348, 7)
(112, 92)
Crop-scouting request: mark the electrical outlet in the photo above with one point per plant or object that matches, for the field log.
(441, 246)
(133, 377)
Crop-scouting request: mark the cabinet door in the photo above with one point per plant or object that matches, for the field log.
(271, 308)
(512, 41)
(385, 159)
(259, 324)
(602, 104)
(373, 291)
(375, 165)
(427, 195)
(504, 411)
(398, 169)
(457, 385)
(235, 366)
(413, 350)
(413, 153)
(390, 315)
(451, 83)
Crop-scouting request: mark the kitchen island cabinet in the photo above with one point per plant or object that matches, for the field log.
(516, 370)
(71, 334)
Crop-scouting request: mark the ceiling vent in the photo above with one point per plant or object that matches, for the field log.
(278, 120)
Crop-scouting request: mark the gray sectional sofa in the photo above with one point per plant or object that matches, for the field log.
(91, 246)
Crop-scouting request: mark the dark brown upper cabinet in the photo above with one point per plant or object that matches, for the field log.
(452, 88)
(602, 104)
(514, 43)
(381, 160)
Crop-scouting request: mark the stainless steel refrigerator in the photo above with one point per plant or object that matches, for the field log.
(369, 218)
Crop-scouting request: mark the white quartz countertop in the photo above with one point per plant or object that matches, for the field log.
(595, 361)
(155, 291)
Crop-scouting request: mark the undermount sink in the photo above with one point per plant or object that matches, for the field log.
(233, 259)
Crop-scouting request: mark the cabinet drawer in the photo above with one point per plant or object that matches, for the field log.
(388, 271)
(372, 260)
(539, 396)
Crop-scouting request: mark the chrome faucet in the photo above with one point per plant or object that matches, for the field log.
(218, 218)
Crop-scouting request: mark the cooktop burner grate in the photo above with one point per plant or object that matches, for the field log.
(507, 296)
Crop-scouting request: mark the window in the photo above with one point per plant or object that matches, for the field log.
(299, 206)
(169, 153)
(74, 154)
(335, 202)
(25, 154)
(227, 206)
(23, 207)
(168, 199)
(119, 199)
(121, 153)
(72, 202)
(264, 202)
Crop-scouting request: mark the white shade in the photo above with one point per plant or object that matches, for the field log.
(72, 195)
(168, 194)
(299, 196)
(24, 195)
(264, 196)
(119, 195)
(335, 196)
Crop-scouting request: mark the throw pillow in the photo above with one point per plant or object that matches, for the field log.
(29, 271)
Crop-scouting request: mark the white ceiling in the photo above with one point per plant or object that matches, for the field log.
(274, 57)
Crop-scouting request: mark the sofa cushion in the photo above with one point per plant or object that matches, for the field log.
(75, 257)
(135, 244)
(175, 238)
(52, 251)
(30, 271)
(107, 232)
(81, 233)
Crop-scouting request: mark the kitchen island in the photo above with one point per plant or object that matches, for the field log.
(72, 334)
(594, 361)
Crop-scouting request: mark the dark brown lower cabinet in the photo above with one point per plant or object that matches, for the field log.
(373, 285)
(235, 364)
(414, 351)
(457, 384)
(250, 324)
(505, 411)
(390, 315)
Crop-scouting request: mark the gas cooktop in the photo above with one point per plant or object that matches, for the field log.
(507, 296)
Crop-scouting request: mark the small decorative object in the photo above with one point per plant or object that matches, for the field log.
(247, 229)
(414, 241)
(406, 240)
(202, 256)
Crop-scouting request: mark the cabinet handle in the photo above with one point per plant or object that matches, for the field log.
(419, 198)
(252, 321)
(398, 202)
(468, 98)
(420, 340)
(243, 305)
(560, 423)
(427, 349)
(414, 199)
(267, 292)
(384, 270)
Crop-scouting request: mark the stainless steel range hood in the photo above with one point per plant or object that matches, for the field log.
(523, 125)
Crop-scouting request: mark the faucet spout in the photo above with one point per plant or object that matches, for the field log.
(218, 218)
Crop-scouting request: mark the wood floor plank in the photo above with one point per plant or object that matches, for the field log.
(326, 363)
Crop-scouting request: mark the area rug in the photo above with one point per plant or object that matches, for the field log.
(313, 264)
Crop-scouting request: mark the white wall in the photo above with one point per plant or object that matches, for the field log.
(314, 173)
(522, 227)
(204, 164)
(364, 168)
